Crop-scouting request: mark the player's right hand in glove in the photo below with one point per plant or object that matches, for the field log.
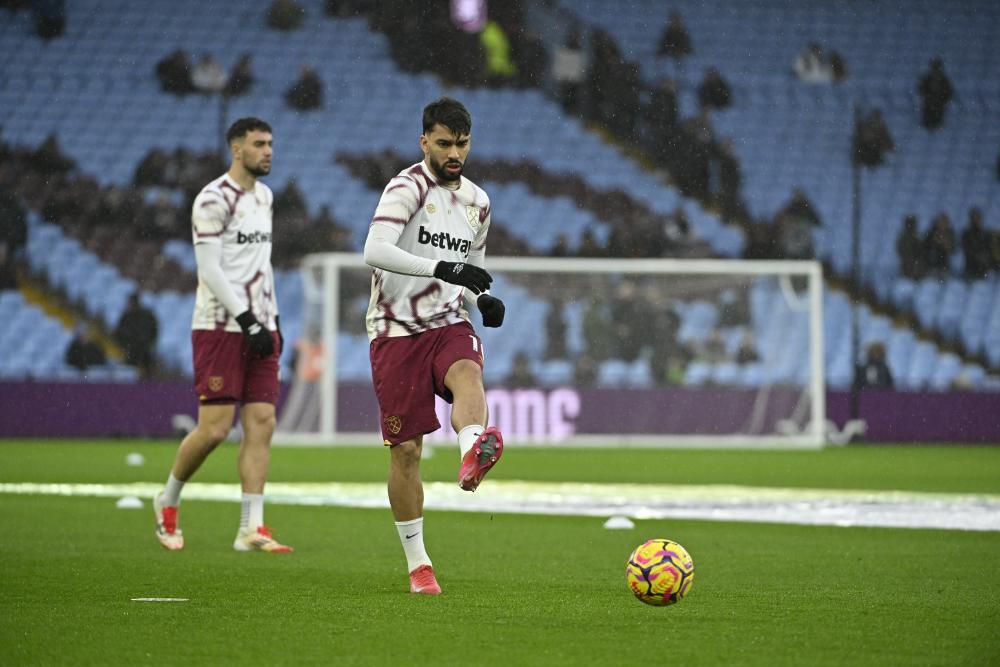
(492, 310)
(466, 275)
(258, 337)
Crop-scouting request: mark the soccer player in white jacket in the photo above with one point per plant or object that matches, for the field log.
(427, 246)
(236, 336)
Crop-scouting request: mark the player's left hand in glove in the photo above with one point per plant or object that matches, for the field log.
(258, 337)
(492, 310)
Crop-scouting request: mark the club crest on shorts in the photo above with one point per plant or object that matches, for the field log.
(215, 382)
(393, 424)
(472, 216)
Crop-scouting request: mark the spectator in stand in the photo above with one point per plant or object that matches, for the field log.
(13, 223)
(661, 117)
(935, 91)
(939, 245)
(713, 93)
(811, 66)
(8, 275)
(713, 350)
(875, 371)
(560, 247)
(729, 198)
(675, 43)
(285, 15)
(136, 333)
(521, 376)
(152, 170)
(207, 76)
(976, 244)
(837, 67)
(241, 78)
(555, 330)
(50, 18)
(872, 140)
(500, 69)
(530, 58)
(174, 73)
(83, 352)
(746, 353)
(49, 158)
(910, 250)
(569, 70)
(307, 91)
(626, 96)
(800, 207)
(694, 152)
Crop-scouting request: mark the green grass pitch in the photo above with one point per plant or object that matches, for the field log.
(518, 589)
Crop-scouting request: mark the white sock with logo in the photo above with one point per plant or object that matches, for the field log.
(172, 491)
(411, 535)
(467, 438)
(252, 511)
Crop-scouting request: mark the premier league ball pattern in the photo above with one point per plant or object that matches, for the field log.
(660, 572)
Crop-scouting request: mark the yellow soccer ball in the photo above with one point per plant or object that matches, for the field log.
(660, 572)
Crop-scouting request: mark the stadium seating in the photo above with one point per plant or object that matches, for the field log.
(97, 82)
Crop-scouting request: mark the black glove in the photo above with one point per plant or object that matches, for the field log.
(466, 275)
(281, 339)
(258, 338)
(492, 310)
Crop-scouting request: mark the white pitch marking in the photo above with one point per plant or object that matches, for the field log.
(161, 599)
(823, 507)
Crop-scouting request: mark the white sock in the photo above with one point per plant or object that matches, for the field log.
(467, 438)
(172, 491)
(411, 534)
(252, 511)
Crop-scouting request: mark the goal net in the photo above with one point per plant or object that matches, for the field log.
(600, 352)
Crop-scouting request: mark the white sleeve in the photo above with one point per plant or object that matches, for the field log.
(382, 252)
(209, 259)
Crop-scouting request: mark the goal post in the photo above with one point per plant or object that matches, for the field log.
(595, 352)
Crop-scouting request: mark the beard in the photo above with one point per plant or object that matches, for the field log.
(259, 169)
(439, 170)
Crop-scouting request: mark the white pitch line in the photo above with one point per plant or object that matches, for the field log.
(826, 507)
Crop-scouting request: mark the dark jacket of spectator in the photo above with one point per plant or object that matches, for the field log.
(174, 73)
(872, 140)
(555, 331)
(935, 91)
(714, 92)
(910, 250)
(875, 371)
(136, 332)
(241, 78)
(285, 15)
(521, 376)
(976, 244)
(675, 42)
(83, 352)
(307, 91)
(13, 222)
(939, 244)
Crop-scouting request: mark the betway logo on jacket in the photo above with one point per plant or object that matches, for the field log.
(253, 237)
(443, 240)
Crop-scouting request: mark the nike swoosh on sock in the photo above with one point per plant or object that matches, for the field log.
(409, 537)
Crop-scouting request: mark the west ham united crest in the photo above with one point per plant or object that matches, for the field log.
(472, 216)
(393, 424)
(215, 382)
